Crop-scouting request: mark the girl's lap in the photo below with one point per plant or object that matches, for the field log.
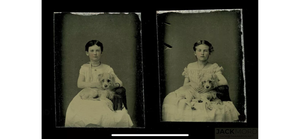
(175, 96)
(89, 112)
(217, 112)
(92, 106)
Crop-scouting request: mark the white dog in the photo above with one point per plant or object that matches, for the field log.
(203, 94)
(206, 93)
(104, 91)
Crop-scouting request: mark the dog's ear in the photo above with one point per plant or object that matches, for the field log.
(202, 83)
(201, 79)
(112, 76)
(215, 80)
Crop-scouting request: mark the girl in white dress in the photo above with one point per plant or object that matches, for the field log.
(86, 113)
(174, 110)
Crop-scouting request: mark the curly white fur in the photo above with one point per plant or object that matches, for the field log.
(106, 83)
(208, 81)
(206, 93)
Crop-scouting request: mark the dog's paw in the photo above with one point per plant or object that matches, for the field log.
(208, 106)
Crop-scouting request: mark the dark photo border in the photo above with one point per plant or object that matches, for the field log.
(153, 125)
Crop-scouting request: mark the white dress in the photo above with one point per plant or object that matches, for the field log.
(225, 112)
(84, 113)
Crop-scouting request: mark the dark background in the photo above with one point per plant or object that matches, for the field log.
(181, 30)
(150, 64)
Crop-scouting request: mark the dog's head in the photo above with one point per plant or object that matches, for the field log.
(106, 80)
(208, 81)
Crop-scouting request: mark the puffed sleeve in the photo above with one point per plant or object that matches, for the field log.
(82, 70)
(218, 71)
(185, 73)
(85, 71)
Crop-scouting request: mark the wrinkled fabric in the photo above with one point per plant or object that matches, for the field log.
(85, 113)
(224, 112)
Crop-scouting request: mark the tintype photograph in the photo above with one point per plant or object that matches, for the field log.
(98, 73)
(201, 64)
(150, 71)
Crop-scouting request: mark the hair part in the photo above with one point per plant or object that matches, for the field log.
(211, 48)
(92, 43)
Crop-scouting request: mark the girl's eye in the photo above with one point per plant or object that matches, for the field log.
(108, 81)
(103, 80)
(205, 50)
(204, 81)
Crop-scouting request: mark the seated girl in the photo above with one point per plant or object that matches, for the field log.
(176, 106)
(96, 113)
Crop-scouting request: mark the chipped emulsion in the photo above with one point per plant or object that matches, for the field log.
(169, 47)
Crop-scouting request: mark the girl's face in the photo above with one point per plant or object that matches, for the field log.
(94, 53)
(202, 52)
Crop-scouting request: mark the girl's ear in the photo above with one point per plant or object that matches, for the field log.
(87, 53)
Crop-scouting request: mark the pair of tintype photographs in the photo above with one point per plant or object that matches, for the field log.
(153, 75)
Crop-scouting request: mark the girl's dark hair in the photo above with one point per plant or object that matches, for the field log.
(93, 42)
(211, 48)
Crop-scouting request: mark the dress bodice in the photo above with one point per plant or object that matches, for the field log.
(91, 73)
(193, 71)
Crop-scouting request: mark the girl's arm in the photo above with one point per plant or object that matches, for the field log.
(222, 89)
(118, 81)
(186, 75)
(82, 84)
(186, 81)
(222, 79)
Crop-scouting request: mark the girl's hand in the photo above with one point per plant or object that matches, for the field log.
(117, 85)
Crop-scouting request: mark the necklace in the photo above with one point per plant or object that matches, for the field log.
(95, 67)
